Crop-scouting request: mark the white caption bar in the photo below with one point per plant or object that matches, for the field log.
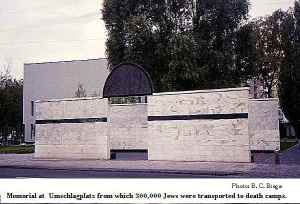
(149, 191)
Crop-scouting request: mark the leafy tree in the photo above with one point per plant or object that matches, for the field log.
(246, 52)
(80, 92)
(183, 44)
(215, 31)
(289, 86)
(11, 97)
(263, 47)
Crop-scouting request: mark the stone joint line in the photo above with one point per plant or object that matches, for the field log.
(199, 117)
(75, 120)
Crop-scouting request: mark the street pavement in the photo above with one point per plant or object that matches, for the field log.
(25, 165)
(292, 156)
(71, 173)
(28, 161)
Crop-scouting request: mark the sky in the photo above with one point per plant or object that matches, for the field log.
(34, 31)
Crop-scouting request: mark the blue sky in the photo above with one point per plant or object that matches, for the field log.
(40, 31)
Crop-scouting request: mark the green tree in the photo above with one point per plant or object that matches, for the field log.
(245, 50)
(11, 97)
(183, 44)
(289, 86)
(215, 31)
(267, 41)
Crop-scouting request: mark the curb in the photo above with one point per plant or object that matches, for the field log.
(166, 171)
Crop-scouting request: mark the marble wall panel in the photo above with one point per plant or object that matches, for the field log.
(199, 140)
(264, 124)
(71, 152)
(66, 109)
(86, 108)
(49, 110)
(49, 134)
(222, 140)
(186, 103)
(128, 126)
(76, 140)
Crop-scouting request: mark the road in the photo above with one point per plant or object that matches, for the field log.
(57, 173)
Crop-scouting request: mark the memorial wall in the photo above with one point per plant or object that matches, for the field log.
(128, 127)
(264, 124)
(72, 129)
(221, 125)
(209, 125)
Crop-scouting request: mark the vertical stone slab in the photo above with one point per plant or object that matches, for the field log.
(128, 126)
(184, 126)
(264, 124)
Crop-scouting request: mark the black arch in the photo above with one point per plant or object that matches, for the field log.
(128, 79)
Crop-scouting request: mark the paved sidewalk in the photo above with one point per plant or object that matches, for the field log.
(209, 168)
(199, 168)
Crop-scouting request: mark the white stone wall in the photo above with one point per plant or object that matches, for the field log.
(128, 126)
(72, 140)
(225, 140)
(71, 108)
(264, 124)
(199, 102)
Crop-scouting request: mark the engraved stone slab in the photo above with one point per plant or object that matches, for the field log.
(128, 126)
(216, 102)
(64, 109)
(84, 140)
(264, 124)
(223, 140)
(49, 110)
(72, 140)
(199, 140)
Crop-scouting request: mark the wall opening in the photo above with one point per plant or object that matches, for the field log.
(130, 154)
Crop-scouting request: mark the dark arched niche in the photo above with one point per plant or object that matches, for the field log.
(128, 79)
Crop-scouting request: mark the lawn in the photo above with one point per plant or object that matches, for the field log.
(286, 144)
(17, 149)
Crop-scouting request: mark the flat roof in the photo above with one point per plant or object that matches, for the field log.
(67, 61)
(202, 91)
